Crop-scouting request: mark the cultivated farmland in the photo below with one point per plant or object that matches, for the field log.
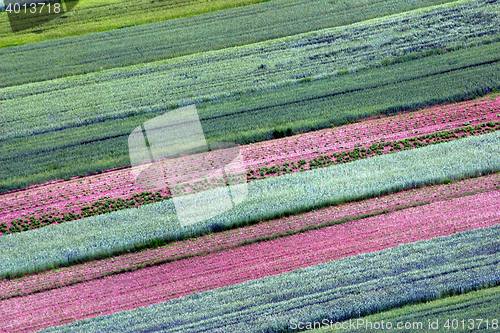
(209, 76)
(100, 15)
(172, 280)
(109, 150)
(366, 284)
(106, 235)
(230, 239)
(169, 39)
(249, 166)
(452, 312)
(115, 190)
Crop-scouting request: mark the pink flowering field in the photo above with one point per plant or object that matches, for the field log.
(182, 277)
(62, 197)
(233, 238)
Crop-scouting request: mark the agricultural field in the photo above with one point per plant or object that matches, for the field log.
(83, 123)
(114, 190)
(105, 235)
(104, 145)
(183, 277)
(249, 166)
(145, 43)
(102, 15)
(481, 304)
(320, 291)
(233, 238)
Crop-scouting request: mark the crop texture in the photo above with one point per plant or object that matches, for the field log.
(67, 208)
(337, 291)
(102, 15)
(172, 280)
(72, 196)
(322, 78)
(234, 238)
(105, 235)
(475, 310)
(170, 39)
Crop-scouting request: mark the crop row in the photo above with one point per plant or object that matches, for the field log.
(97, 15)
(126, 230)
(229, 239)
(473, 311)
(112, 190)
(336, 291)
(146, 43)
(387, 128)
(106, 205)
(69, 212)
(435, 79)
(176, 279)
(360, 152)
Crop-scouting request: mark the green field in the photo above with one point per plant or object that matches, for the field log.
(89, 16)
(154, 224)
(474, 311)
(217, 30)
(73, 126)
